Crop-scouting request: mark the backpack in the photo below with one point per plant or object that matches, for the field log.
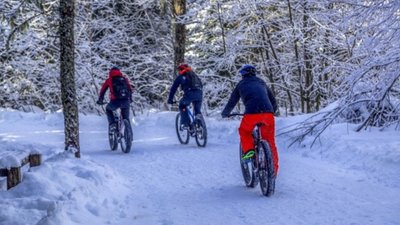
(120, 88)
(194, 80)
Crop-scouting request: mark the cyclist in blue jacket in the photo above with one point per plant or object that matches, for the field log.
(192, 92)
(260, 106)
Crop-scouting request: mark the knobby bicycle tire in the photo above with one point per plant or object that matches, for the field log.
(201, 131)
(112, 139)
(249, 176)
(266, 169)
(183, 135)
(126, 140)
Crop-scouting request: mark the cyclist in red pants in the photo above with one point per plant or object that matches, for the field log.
(260, 106)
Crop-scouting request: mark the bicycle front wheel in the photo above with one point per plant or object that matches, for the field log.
(126, 139)
(113, 137)
(183, 134)
(249, 176)
(201, 131)
(266, 169)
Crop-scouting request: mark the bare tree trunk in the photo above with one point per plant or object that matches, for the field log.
(222, 26)
(179, 9)
(308, 79)
(296, 51)
(67, 75)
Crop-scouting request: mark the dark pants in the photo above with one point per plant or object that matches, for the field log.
(114, 105)
(193, 96)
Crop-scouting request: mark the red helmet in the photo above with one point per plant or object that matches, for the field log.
(182, 66)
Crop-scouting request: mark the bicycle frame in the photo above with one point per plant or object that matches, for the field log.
(197, 128)
(261, 168)
(257, 139)
(191, 116)
(119, 136)
(118, 119)
(123, 132)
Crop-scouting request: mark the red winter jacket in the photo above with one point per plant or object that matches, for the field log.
(108, 84)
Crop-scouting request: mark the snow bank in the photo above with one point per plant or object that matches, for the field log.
(61, 185)
(164, 182)
(372, 151)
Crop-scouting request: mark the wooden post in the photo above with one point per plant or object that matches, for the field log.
(13, 177)
(14, 174)
(35, 160)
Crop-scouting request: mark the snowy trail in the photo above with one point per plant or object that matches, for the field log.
(166, 183)
(177, 184)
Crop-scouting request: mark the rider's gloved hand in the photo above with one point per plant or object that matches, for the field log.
(100, 102)
(224, 115)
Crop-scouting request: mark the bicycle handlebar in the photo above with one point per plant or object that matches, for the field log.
(235, 114)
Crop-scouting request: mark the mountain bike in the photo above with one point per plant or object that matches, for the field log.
(261, 168)
(197, 129)
(120, 132)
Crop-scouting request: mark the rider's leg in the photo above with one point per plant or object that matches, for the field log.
(268, 133)
(246, 133)
(182, 108)
(197, 100)
(197, 107)
(125, 114)
(125, 110)
(111, 106)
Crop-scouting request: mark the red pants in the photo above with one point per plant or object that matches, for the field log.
(247, 125)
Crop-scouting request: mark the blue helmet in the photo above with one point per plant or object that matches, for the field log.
(247, 70)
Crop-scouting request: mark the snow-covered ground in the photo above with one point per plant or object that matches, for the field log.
(350, 178)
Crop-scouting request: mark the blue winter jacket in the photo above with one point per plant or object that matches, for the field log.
(255, 95)
(183, 82)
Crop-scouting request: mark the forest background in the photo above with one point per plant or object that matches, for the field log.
(311, 53)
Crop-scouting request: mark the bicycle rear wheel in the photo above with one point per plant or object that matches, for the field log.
(113, 137)
(249, 176)
(266, 170)
(201, 131)
(126, 139)
(183, 135)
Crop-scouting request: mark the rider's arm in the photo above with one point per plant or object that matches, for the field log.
(104, 89)
(272, 99)
(174, 87)
(233, 100)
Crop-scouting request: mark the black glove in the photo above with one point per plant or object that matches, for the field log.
(100, 102)
(170, 101)
(224, 115)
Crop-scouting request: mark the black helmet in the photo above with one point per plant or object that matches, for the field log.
(114, 68)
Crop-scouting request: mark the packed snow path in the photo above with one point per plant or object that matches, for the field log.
(164, 182)
(184, 184)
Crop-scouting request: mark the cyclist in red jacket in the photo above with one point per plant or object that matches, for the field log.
(120, 91)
